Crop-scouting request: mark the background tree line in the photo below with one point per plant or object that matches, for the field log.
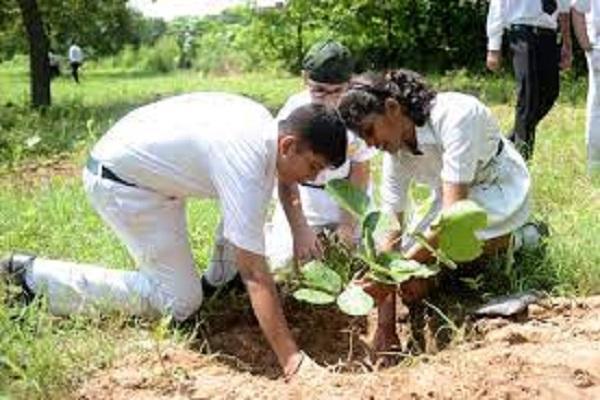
(428, 35)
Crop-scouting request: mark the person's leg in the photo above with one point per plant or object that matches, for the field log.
(592, 136)
(523, 46)
(221, 268)
(74, 73)
(154, 229)
(548, 71)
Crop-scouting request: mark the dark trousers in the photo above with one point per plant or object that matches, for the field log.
(536, 57)
(74, 68)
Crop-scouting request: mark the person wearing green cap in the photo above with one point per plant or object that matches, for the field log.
(306, 209)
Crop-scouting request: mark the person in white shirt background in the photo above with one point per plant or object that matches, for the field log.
(450, 142)
(75, 60)
(327, 68)
(586, 24)
(138, 178)
(532, 33)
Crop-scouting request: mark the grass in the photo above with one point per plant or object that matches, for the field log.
(45, 357)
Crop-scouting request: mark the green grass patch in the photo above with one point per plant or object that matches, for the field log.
(44, 357)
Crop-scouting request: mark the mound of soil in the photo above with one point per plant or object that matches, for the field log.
(553, 353)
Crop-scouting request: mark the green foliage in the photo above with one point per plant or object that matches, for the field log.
(355, 301)
(354, 201)
(162, 57)
(313, 296)
(318, 276)
(51, 216)
(40, 355)
(456, 229)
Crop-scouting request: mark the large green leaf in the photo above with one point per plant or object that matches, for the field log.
(348, 196)
(456, 228)
(317, 275)
(355, 301)
(313, 296)
(385, 259)
(369, 224)
(392, 268)
(403, 270)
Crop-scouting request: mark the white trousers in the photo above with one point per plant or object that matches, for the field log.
(154, 229)
(593, 113)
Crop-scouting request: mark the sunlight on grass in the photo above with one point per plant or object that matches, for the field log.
(42, 356)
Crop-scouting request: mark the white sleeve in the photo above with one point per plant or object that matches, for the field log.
(582, 6)
(460, 136)
(394, 184)
(243, 200)
(495, 24)
(564, 6)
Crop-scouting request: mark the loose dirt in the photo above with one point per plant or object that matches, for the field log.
(552, 353)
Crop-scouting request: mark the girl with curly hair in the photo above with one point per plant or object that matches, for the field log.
(448, 141)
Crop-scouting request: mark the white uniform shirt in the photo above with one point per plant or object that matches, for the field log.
(592, 18)
(460, 143)
(75, 54)
(503, 13)
(208, 145)
(318, 207)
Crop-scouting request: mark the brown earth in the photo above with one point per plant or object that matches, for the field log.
(40, 172)
(552, 353)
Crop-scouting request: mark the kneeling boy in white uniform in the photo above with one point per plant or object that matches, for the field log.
(138, 177)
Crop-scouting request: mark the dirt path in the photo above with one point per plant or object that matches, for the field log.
(40, 172)
(553, 354)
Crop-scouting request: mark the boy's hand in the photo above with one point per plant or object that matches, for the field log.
(304, 369)
(306, 245)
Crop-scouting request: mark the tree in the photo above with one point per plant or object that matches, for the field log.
(38, 53)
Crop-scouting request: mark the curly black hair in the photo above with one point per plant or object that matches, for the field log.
(367, 94)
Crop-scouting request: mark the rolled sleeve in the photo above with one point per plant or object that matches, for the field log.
(495, 24)
(244, 214)
(243, 198)
(395, 183)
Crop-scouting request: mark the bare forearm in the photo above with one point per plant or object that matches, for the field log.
(565, 29)
(579, 26)
(290, 201)
(267, 308)
(386, 312)
(269, 313)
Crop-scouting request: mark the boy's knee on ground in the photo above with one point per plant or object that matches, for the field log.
(186, 304)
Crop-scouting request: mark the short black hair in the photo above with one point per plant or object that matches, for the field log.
(367, 94)
(320, 129)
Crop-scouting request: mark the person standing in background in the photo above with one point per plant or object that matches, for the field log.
(532, 32)
(586, 24)
(75, 59)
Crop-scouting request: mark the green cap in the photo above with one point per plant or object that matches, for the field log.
(328, 62)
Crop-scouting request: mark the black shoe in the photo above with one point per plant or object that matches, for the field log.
(235, 285)
(13, 269)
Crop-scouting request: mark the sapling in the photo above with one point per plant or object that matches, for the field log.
(332, 279)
